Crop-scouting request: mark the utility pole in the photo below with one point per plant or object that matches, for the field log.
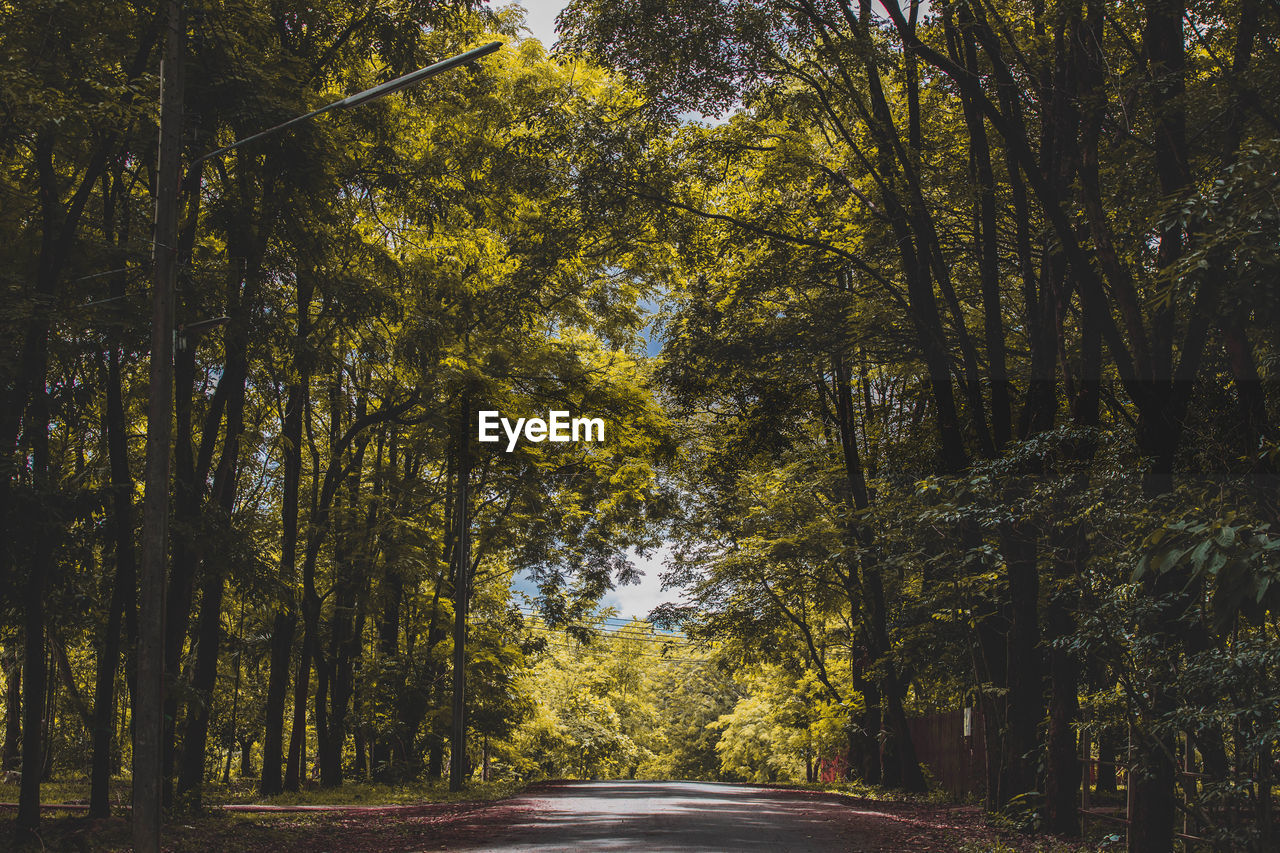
(148, 714)
(461, 597)
(148, 721)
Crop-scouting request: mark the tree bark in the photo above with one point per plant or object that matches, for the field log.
(285, 620)
(458, 770)
(123, 596)
(235, 697)
(1025, 703)
(864, 743)
(343, 641)
(899, 765)
(294, 769)
(209, 628)
(123, 603)
(1154, 783)
(1062, 762)
(34, 675)
(35, 665)
(246, 758)
(12, 709)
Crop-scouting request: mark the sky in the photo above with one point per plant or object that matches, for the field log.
(632, 601)
(635, 602)
(541, 19)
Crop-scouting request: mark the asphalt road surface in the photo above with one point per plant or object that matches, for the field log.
(677, 816)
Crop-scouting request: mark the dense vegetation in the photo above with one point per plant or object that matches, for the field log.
(966, 397)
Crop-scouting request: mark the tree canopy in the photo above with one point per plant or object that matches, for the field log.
(964, 400)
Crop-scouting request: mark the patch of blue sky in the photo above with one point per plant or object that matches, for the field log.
(634, 601)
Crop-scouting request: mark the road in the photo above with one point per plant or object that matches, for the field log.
(677, 817)
(646, 817)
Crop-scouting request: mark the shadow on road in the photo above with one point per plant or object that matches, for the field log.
(674, 816)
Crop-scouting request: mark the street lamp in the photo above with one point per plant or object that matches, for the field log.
(148, 717)
(390, 87)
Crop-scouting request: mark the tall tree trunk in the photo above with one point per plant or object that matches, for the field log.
(985, 249)
(285, 620)
(343, 640)
(189, 478)
(123, 592)
(294, 770)
(356, 681)
(1251, 400)
(1020, 545)
(991, 673)
(34, 673)
(35, 663)
(246, 758)
(458, 769)
(340, 442)
(50, 722)
(1062, 760)
(437, 631)
(340, 692)
(915, 237)
(1063, 767)
(284, 624)
(313, 653)
(12, 708)
(384, 745)
(899, 765)
(209, 628)
(864, 740)
(1160, 428)
(1109, 746)
(235, 696)
(360, 770)
(324, 746)
(123, 602)
(28, 407)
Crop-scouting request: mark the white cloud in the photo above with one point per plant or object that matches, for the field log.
(540, 18)
(635, 601)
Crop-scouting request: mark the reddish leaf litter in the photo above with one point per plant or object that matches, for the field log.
(897, 827)
(276, 829)
(393, 829)
(910, 827)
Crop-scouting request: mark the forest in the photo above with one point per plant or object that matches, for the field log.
(932, 340)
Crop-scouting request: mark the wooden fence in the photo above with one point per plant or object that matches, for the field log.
(957, 760)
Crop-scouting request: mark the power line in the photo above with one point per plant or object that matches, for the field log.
(675, 643)
(628, 635)
(577, 647)
(530, 609)
(613, 619)
(628, 624)
(685, 648)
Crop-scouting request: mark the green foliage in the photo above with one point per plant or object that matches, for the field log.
(625, 701)
(966, 397)
(1237, 560)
